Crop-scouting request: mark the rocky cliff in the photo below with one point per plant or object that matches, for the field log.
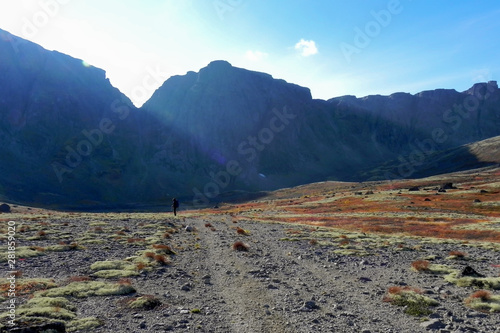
(67, 137)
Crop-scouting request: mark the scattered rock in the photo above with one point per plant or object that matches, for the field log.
(414, 188)
(309, 306)
(477, 200)
(187, 287)
(433, 324)
(427, 199)
(189, 228)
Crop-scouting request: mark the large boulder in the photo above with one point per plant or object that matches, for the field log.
(4, 208)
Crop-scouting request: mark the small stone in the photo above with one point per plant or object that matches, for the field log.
(311, 305)
(143, 325)
(433, 324)
(186, 287)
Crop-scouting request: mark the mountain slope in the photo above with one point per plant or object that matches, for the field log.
(68, 137)
(420, 164)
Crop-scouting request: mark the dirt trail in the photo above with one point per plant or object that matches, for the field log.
(245, 301)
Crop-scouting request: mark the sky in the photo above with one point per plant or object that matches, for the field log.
(333, 47)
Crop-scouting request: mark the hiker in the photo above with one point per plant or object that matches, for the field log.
(175, 205)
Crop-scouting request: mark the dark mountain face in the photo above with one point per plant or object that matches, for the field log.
(66, 134)
(67, 137)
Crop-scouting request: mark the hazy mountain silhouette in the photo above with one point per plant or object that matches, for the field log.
(68, 137)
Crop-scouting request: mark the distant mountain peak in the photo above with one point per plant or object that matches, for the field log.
(219, 64)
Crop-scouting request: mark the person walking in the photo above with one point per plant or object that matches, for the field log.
(175, 205)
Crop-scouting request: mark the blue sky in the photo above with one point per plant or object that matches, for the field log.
(332, 47)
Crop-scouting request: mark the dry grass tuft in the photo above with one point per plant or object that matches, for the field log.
(458, 254)
(135, 240)
(149, 255)
(420, 265)
(411, 299)
(79, 278)
(344, 242)
(241, 231)
(483, 295)
(162, 260)
(125, 282)
(240, 246)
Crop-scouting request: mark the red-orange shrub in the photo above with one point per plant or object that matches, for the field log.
(240, 246)
(420, 265)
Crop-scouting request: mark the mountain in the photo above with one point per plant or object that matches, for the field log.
(69, 138)
(66, 134)
(467, 157)
(230, 113)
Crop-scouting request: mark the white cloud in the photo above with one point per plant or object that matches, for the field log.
(255, 55)
(306, 47)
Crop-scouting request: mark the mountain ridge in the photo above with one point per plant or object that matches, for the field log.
(69, 137)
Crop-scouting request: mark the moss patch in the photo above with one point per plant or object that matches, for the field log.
(87, 289)
(489, 303)
(83, 324)
(415, 304)
(470, 281)
(28, 286)
(23, 252)
(144, 302)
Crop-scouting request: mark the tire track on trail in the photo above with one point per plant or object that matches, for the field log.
(245, 300)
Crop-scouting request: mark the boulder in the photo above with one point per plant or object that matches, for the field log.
(448, 186)
(469, 271)
(4, 208)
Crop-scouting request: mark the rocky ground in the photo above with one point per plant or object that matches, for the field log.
(287, 281)
(326, 257)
